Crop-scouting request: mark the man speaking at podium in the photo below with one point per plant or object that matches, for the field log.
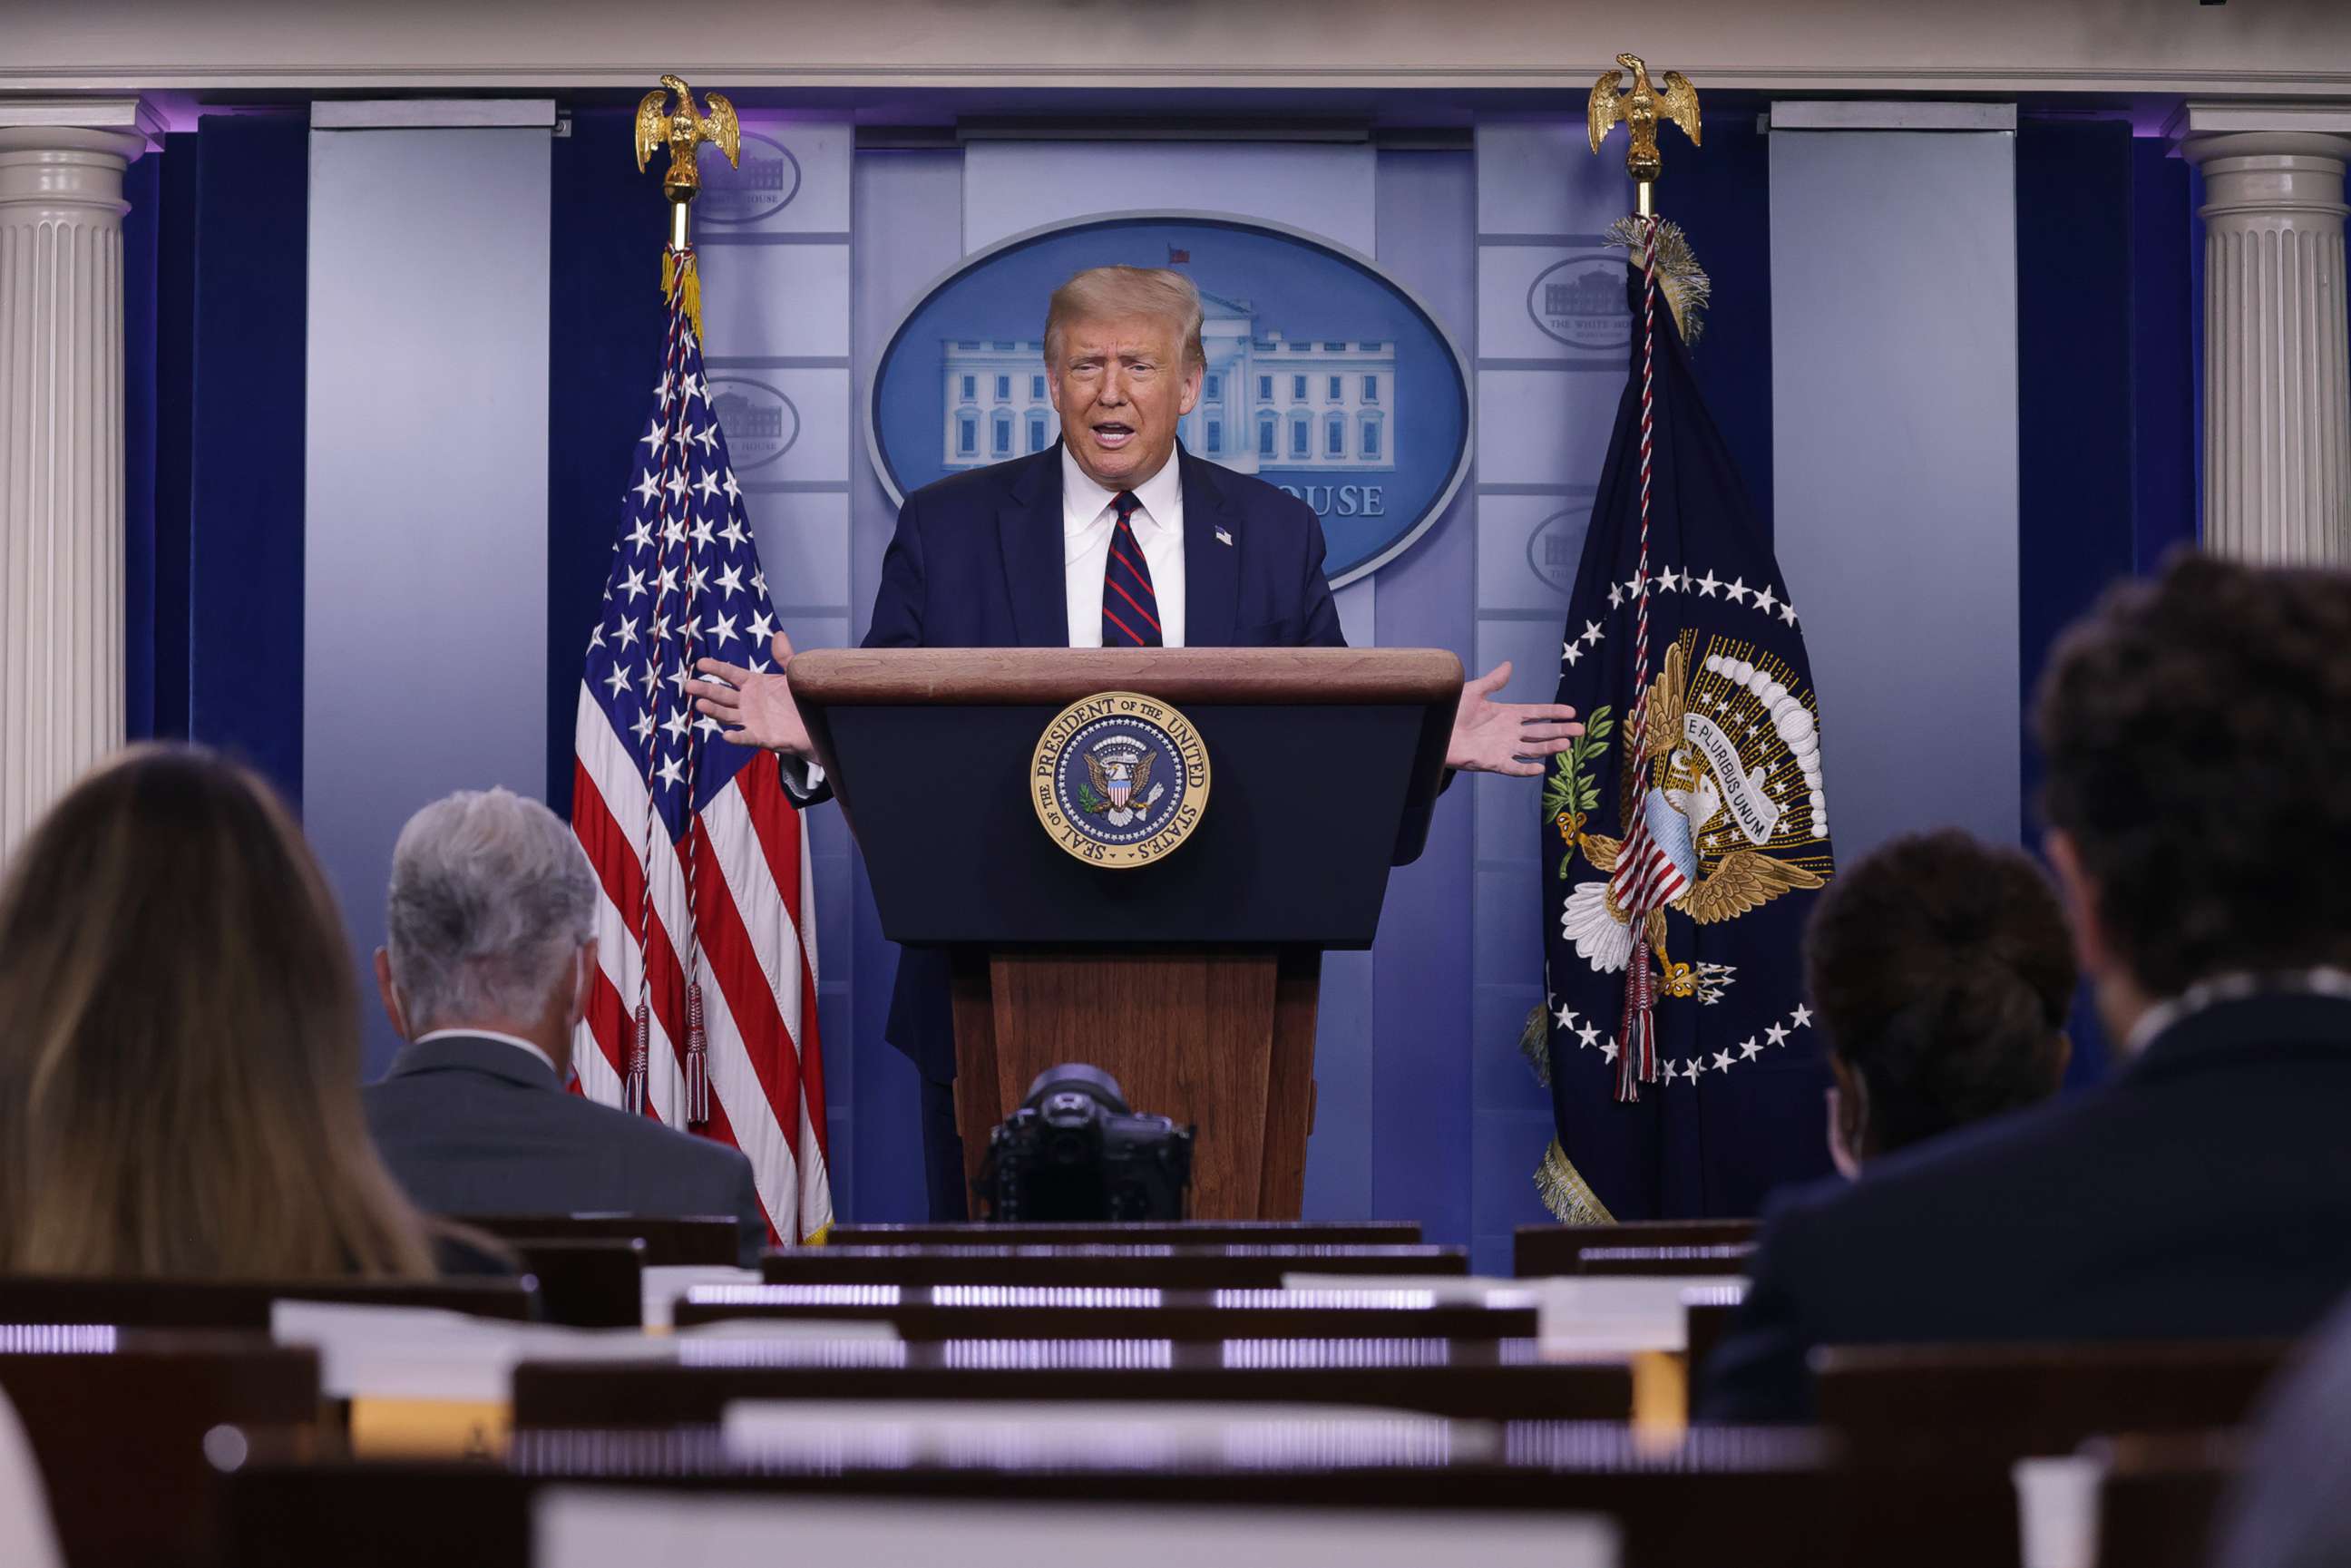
(1113, 537)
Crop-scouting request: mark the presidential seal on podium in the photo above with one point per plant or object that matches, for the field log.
(1120, 778)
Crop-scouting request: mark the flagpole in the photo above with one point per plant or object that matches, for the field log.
(683, 128)
(1636, 883)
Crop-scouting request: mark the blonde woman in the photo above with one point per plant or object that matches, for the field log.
(179, 1043)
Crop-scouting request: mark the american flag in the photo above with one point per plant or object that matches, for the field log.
(705, 1014)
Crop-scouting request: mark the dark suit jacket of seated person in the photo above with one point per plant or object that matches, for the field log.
(485, 971)
(2194, 750)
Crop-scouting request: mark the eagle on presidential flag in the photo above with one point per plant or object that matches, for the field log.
(1684, 833)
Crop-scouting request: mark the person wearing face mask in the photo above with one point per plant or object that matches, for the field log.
(1114, 537)
(488, 961)
(1942, 973)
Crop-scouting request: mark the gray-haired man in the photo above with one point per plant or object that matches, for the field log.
(489, 958)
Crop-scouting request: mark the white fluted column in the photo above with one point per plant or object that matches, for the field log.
(2277, 347)
(61, 457)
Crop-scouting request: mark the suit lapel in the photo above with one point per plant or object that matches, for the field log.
(1212, 565)
(1030, 530)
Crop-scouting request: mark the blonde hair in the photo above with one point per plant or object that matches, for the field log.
(180, 1055)
(1107, 293)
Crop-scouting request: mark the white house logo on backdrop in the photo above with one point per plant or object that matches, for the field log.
(764, 185)
(1323, 375)
(1555, 547)
(1581, 302)
(761, 423)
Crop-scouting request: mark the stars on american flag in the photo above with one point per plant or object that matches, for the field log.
(686, 581)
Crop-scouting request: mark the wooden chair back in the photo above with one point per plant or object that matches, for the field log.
(1538, 1251)
(1953, 1419)
(1181, 1232)
(2160, 1501)
(671, 1240)
(1493, 1381)
(241, 1303)
(118, 1419)
(1762, 1498)
(1725, 1258)
(596, 1284)
(1707, 1312)
(1165, 1266)
(1902, 1405)
(1044, 1312)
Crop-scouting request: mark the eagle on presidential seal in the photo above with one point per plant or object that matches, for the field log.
(1735, 801)
(1120, 773)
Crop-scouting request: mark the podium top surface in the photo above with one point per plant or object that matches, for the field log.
(1057, 676)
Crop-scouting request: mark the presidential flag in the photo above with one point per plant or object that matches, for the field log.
(1685, 833)
(705, 1013)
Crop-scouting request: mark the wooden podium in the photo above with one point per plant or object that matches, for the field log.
(1191, 980)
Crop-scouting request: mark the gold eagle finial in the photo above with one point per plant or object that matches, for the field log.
(684, 129)
(1641, 109)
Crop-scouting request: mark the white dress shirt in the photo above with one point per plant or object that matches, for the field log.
(1087, 523)
(514, 1039)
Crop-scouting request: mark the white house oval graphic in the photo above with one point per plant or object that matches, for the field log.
(761, 423)
(1581, 301)
(1325, 376)
(1556, 546)
(763, 185)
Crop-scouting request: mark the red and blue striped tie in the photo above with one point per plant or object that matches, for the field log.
(1130, 609)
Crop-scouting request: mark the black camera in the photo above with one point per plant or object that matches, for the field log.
(1074, 1152)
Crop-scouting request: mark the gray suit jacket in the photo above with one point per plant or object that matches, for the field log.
(476, 1126)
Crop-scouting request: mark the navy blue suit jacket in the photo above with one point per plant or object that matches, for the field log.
(2205, 1193)
(977, 563)
(475, 1127)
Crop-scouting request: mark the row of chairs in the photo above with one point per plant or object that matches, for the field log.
(237, 1450)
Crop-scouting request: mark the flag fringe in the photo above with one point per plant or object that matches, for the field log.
(1688, 291)
(697, 1061)
(1565, 1193)
(681, 276)
(1534, 1042)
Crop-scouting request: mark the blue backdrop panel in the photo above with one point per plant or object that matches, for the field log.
(1722, 198)
(246, 392)
(1420, 1126)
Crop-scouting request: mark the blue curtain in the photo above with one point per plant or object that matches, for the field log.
(215, 344)
(2106, 405)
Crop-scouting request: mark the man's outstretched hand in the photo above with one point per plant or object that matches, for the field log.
(1505, 737)
(759, 710)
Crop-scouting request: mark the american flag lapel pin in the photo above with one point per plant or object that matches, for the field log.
(1223, 536)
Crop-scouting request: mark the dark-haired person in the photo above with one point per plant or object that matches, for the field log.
(2195, 741)
(179, 1073)
(1941, 970)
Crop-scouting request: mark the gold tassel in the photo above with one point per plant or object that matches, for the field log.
(1534, 1043)
(679, 273)
(1565, 1193)
(1687, 289)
